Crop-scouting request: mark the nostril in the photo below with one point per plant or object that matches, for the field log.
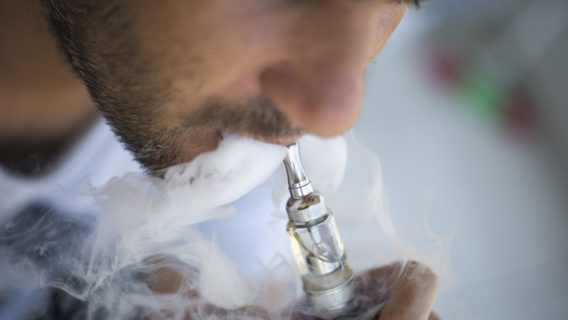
(324, 101)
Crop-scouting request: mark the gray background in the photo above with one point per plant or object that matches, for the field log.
(500, 195)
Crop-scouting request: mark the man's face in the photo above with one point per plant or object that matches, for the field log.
(171, 75)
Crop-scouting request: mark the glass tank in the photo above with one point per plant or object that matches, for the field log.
(319, 253)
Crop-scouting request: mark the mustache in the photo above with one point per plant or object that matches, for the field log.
(256, 117)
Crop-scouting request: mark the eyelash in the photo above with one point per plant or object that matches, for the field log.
(414, 3)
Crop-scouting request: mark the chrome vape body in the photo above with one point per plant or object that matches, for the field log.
(318, 249)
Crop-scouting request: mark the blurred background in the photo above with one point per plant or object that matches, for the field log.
(466, 109)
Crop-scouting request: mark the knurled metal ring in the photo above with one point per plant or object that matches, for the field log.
(307, 214)
(332, 299)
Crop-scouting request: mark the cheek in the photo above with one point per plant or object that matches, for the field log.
(234, 43)
(203, 48)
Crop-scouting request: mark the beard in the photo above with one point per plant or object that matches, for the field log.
(158, 142)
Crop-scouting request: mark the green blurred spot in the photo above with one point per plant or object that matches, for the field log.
(485, 94)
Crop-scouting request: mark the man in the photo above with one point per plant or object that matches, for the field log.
(170, 75)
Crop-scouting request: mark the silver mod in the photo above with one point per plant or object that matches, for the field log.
(318, 249)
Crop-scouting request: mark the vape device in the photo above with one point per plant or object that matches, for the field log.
(317, 246)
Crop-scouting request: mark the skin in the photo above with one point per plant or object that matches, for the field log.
(171, 76)
(266, 69)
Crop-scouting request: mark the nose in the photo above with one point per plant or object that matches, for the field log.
(319, 83)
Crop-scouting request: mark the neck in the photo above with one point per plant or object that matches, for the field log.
(42, 103)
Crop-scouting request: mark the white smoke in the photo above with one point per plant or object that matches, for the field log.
(145, 256)
(151, 219)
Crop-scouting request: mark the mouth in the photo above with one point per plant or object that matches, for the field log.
(280, 140)
(204, 139)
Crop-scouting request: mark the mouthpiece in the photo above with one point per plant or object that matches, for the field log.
(298, 181)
